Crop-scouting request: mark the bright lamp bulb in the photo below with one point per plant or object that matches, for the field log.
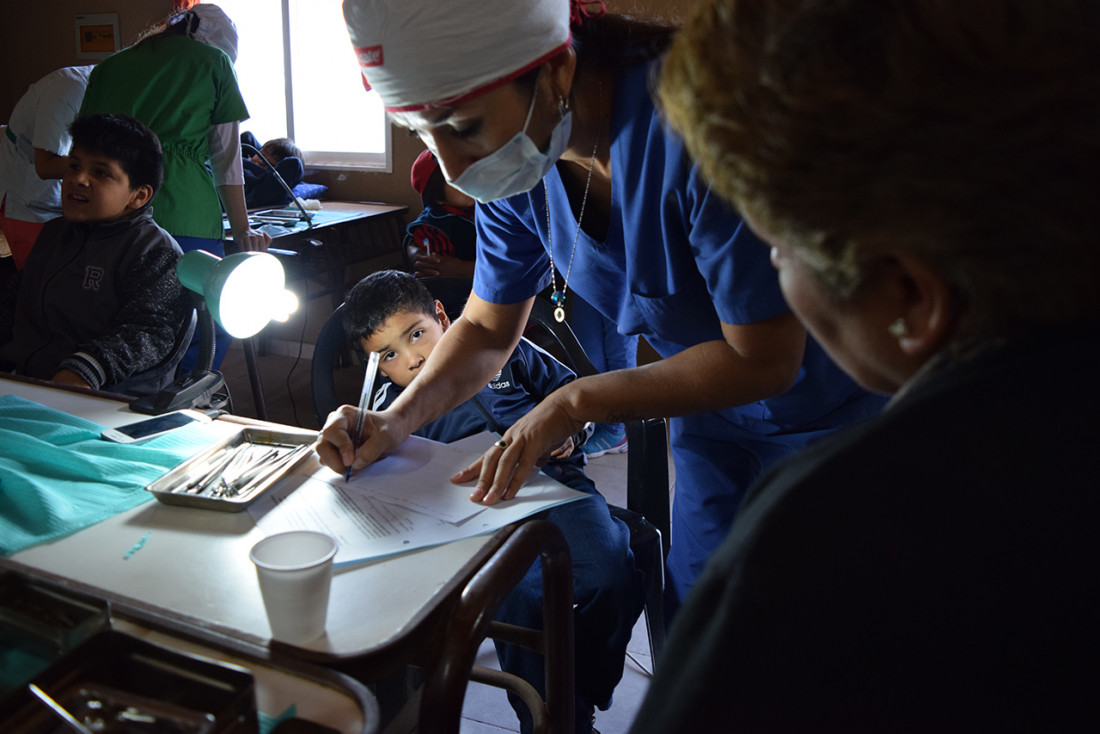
(244, 291)
(284, 304)
(248, 294)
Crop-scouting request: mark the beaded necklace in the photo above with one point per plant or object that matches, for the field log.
(558, 296)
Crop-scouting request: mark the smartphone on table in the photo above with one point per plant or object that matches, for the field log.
(151, 427)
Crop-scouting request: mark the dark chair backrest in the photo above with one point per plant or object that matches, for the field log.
(331, 342)
(557, 338)
(152, 380)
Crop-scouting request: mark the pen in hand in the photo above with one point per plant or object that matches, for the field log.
(364, 405)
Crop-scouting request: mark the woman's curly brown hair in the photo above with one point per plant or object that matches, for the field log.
(962, 132)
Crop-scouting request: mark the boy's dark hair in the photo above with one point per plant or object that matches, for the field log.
(283, 148)
(134, 146)
(377, 297)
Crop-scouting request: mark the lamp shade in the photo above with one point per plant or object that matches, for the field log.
(243, 291)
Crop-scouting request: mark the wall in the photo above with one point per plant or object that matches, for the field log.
(32, 45)
(392, 188)
(37, 37)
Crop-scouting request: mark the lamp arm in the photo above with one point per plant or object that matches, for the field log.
(252, 149)
(207, 337)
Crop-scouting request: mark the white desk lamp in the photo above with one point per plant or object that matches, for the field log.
(243, 292)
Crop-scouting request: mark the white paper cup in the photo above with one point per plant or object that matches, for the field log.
(295, 574)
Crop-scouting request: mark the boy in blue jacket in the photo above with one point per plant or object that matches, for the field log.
(392, 313)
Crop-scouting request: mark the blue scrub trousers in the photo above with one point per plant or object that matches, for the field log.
(716, 462)
(608, 596)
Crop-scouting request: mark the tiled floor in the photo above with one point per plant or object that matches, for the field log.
(486, 710)
(285, 379)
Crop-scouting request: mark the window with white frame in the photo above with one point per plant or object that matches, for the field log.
(300, 79)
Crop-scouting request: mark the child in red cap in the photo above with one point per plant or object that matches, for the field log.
(442, 240)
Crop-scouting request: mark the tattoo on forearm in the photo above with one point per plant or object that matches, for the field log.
(630, 415)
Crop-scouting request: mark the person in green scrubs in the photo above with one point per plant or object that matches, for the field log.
(179, 81)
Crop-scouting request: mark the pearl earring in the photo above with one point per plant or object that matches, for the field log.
(898, 328)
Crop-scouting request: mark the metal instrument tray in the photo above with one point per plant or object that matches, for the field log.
(124, 684)
(172, 487)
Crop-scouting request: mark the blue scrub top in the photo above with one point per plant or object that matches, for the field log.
(676, 262)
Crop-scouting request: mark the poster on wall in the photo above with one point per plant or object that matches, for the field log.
(97, 36)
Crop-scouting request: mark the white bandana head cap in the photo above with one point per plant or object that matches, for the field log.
(215, 29)
(420, 54)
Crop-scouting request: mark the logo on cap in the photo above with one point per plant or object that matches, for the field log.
(370, 56)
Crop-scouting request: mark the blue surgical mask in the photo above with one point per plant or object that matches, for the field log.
(517, 166)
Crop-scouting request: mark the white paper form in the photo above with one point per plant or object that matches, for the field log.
(367, 525)
(418, 477)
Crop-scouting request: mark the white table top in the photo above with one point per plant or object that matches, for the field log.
(194, 564)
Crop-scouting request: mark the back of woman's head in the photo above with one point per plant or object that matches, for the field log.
(961, 133)
(613, 41)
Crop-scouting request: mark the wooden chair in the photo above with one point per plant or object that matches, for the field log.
(647, 489)
(471, 621)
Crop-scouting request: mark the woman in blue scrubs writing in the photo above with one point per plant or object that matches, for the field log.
(540, 110)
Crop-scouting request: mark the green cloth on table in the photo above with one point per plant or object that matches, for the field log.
(58, 476)
(268, 723)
